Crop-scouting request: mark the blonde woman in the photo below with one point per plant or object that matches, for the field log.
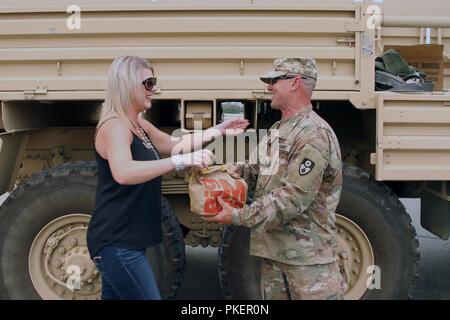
(127, 215)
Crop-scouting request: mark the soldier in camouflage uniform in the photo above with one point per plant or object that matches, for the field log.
(298, 186)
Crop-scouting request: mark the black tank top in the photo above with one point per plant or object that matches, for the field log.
(126, 216)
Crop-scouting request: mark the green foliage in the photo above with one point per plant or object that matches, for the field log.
(233, 107)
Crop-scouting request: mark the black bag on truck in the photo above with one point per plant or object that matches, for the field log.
(393, 73)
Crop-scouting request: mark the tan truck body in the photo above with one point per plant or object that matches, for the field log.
(216, 52)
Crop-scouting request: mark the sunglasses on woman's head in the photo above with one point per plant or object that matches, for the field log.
(149, 83)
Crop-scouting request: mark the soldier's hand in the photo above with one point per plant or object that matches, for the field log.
(233, 170)
(225, 216)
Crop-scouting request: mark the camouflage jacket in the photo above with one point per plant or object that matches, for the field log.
(299, 183)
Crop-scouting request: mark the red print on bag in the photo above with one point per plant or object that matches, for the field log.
(214, 188)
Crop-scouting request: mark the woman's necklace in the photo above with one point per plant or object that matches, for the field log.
(145, 140)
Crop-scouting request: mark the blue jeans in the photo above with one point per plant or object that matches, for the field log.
(126, 275)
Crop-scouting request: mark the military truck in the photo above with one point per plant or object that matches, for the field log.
(208, 56)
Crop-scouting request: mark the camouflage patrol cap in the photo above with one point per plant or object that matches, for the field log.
(293, 66)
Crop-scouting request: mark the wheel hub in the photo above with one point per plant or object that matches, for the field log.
(59, 262)
(79, 257)
(355, 256)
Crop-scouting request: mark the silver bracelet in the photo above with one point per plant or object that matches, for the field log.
(178, 161)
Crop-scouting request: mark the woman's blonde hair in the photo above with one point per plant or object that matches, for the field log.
(123, 82)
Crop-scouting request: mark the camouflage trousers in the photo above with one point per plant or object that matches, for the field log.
(281, 281)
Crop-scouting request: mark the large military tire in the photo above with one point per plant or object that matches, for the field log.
(380, 229)
(61, 200)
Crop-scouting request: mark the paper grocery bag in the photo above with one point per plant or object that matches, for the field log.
(207, 184)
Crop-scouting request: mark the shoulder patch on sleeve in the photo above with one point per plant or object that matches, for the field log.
(306, 166)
